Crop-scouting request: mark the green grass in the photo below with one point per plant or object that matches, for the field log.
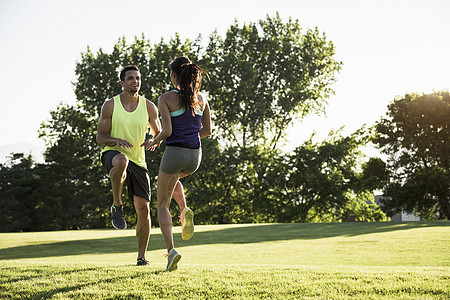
(270, 261)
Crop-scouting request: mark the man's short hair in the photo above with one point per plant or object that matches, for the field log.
(127, 68)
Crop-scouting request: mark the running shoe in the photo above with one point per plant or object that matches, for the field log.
(173, 257)
(142, 262)
(187, 224)
(117, 217)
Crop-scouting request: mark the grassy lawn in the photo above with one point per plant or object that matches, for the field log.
(276, 261)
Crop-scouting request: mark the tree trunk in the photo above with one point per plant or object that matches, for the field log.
(445, 206)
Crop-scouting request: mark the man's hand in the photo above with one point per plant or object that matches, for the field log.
(123, 144)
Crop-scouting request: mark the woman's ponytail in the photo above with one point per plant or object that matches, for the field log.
(189, 79)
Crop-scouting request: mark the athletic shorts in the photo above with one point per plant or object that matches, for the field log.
(137, 181)
(179, 159)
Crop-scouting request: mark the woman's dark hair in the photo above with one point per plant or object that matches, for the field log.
(189, 78)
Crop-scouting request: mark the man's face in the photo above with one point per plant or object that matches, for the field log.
(132, 82)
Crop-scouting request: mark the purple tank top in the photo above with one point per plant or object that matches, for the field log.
(185, 128)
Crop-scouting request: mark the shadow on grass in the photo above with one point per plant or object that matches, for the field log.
(232, 235)
(39, 273)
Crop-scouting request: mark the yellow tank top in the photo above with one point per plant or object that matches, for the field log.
(132, 127)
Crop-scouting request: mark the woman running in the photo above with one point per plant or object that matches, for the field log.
(186, 119)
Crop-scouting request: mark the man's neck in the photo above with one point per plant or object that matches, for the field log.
(128, 97)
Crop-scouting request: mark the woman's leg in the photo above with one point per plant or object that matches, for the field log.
(165, 187)
(178, 194)
(186, 215)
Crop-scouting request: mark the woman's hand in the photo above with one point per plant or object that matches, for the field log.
(150, 144)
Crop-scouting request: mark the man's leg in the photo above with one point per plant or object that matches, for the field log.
(143, 224)
(118, 174)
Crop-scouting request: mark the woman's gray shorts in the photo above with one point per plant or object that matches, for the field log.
(179, 159)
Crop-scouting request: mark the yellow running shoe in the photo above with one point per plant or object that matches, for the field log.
(187, 224)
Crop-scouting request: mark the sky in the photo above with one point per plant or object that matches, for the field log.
(388, 48)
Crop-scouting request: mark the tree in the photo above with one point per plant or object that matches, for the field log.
(18, 184)
(415, 136)
(265, 74)
(374, 175)
(97, 74)
(76, 190)
(320, 182)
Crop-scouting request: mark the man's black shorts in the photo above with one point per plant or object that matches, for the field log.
(137, 181)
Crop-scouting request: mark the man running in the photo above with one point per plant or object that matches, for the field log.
(122, 129)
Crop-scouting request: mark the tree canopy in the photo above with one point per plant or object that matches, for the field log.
(265, 74)
(415, 136)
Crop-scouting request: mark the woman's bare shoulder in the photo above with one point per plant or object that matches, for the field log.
(170, 99)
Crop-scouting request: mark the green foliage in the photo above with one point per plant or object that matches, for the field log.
(76, 189)
(415, 135)
(361, 207)
(18, 183)
(424, 193)
(374, 174)
(98, 74)
(265, 74)
(320, 182)
(317, 183)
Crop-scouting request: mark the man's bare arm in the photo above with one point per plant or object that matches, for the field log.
(104, 128)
